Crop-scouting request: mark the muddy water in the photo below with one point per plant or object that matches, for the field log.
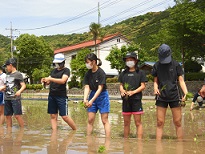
(37, 136)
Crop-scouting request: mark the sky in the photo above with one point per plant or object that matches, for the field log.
(51, 17)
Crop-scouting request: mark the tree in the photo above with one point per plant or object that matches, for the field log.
(40, 73)
(78, 64)
(116, 56)
(95, 30)
(181, 1)
(33, 54)
(192, 66)
(5, 49)
(184, 31)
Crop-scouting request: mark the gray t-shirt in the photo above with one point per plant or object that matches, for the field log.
(13, 81)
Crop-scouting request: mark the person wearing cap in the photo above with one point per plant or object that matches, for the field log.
(2, 89)
(95, 93)
(167, 73)
(132, 83)
(15, 85)
(57, 98)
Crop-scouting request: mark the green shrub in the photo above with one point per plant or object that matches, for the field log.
(74, 83)
(112, 80)
(194, 76)
(150, 77)
(34, 86)
(192, 66)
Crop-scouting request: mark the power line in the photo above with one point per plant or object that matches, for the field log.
(124, 11)
(93, 10)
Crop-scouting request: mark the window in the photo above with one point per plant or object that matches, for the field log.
(118, 40)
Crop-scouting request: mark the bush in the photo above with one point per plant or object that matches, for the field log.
(150, 77)
(112, 80)
(194, 76)
(192, 66)
(73, 83)
(34, 86)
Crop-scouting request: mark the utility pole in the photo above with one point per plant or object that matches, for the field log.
(11, 37)
(99, 15)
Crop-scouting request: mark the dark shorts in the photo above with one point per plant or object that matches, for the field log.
(165, 104)
(1, 98)
(102, 103)
(58, 103)
(132, 106)
(12, 107)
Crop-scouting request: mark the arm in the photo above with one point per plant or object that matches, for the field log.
(62, 80)
(156, 88)
(2, 88)
(192, 105)
(23, 87)
(122, 90)
(86, 92)
(100, 87)
(183, 87)
(139, 89)
(202, 91)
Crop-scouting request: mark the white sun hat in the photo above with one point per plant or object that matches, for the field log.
(199, 99)
(59, 58)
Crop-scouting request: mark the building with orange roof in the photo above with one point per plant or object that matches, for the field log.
(103, 49)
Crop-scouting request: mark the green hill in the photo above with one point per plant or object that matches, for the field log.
(134, 29)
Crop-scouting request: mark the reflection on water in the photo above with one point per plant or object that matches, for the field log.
(59, 145)
(37, 136)
(11, 142)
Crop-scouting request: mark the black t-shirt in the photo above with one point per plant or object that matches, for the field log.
(134, 80)
(58, 89)
(195, 97)
(94, 79)
(167, 75)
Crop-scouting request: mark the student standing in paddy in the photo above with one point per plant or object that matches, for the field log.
(167, 72)
(132, 83)
(57, 99)
(97, 99)
(2, 89)
(14, 87)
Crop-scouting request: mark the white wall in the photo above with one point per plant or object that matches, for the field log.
(104, 50)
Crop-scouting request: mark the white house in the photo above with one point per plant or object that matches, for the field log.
(103, 49)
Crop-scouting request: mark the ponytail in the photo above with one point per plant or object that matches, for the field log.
(91, 57)
(99, 62)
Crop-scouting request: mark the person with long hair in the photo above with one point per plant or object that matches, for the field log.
(167, 74)
(132, 83)
(95, 93)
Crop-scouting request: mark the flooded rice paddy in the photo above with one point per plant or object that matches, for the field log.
(37, 136)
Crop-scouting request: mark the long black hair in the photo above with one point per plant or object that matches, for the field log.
(91, 57)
